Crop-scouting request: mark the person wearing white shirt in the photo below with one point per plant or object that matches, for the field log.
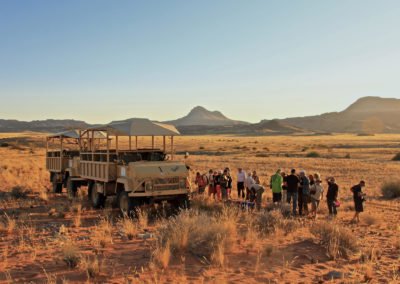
(249, 181)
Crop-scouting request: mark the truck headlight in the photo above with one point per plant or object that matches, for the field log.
(183, 184)
(149, 186)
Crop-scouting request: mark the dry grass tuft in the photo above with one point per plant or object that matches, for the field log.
(371, 220)
(70, 253)
(92, 266)
(198, 233)
(8, 224)
(143, 217)
(128, 227)
(371, 255)
(396, 157)
(102, 234)
(391, 189)
(338, 241)
(77, 209)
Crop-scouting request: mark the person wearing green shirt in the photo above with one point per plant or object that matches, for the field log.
(276, 186)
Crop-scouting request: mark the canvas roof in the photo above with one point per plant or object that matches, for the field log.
(73, 134)
(138, 127)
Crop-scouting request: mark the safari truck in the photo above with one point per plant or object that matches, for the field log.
(134, 175)
(62, 161)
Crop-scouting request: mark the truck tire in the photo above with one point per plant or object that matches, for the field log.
(98, 199)
(127, 205)
(72, 188)
(182, 202)
(57, 187)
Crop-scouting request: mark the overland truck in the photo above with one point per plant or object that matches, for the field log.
(134, 175)
(62, 161)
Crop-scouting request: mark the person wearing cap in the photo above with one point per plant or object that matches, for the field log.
(241, 178)
(358, 197)
(331, 196)
(276, 187)
(316, 193)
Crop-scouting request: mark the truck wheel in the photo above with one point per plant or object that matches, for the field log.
(72, 188)
(126, 204)
(57, 187)
(98, 199)
(181, 203)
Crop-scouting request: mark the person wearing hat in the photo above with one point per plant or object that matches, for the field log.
(358, 197)
(331, 196)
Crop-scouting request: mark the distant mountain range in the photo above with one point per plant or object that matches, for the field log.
(48, 125)
(366, 115)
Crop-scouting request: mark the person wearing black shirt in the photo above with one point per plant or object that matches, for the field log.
(358, 197)
(331, 196)
(292, 182)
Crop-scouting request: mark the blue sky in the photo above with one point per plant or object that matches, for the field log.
(107, 60)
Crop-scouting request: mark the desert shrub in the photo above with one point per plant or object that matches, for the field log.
(268, 222)
(262, 155)
(4, 144)
(338, 241)
(391, 189)
(396, 157)
(206, 205)
(313, 154)
(204, 235)
(347, 156)
(19, 192)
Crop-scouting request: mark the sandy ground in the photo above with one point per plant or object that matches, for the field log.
(32, 250)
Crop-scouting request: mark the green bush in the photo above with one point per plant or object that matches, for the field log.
(396, 157)
(391, 189)
(313, 154)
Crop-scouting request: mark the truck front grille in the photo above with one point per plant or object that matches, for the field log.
(166, 183)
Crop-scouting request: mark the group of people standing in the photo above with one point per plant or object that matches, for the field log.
(300, 190)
